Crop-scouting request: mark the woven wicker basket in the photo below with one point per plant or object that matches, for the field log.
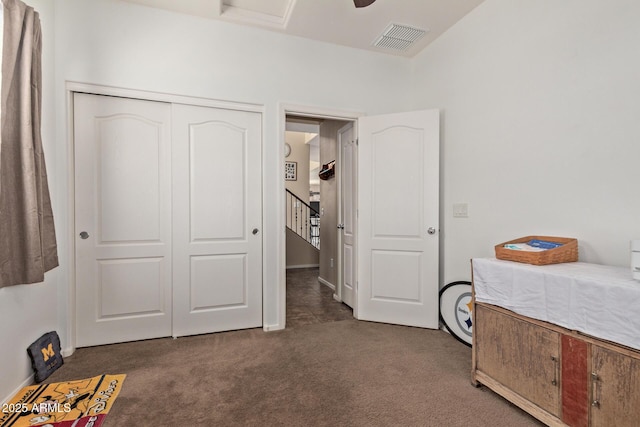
(568, 252)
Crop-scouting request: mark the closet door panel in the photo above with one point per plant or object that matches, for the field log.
(122, 219)
(217, 236)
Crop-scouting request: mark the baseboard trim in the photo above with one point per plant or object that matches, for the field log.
(327, 283)
(29, 381)
(293, 267)
(269, 328)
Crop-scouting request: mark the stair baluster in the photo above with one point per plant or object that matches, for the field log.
(302, 219)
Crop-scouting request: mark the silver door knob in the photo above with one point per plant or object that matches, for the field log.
(431, 230)
(84, 235)
(255, 231)
(341, 226)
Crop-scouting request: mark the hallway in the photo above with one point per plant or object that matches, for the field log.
(310, 302)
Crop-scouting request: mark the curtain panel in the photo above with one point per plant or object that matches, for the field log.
(27, 236)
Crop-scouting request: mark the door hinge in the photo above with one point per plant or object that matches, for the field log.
(357, 141)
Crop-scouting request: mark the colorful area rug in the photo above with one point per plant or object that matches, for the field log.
(82, 403)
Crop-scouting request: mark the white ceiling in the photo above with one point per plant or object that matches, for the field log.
(332, 21)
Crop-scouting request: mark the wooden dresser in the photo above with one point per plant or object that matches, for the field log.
(559, 375)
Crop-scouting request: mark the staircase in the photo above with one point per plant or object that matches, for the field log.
(303, 220)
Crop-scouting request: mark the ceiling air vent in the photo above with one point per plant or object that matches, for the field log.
(398, 37)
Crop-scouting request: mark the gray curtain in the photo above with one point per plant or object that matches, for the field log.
(27, 236)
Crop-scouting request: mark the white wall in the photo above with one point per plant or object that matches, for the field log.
(28, 311)
(300, 155)
(540, 128)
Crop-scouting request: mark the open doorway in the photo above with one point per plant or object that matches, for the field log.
(313, 235)
(396, 254)
(302, 188)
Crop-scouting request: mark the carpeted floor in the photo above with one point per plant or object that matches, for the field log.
(320, 372)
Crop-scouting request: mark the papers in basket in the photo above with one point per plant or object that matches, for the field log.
(533, 245)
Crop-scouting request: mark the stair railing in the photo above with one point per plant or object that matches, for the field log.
(303, 220)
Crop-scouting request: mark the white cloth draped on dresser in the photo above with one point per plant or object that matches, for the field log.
(598, 300)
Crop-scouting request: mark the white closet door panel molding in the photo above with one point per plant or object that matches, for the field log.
(168, 219)
(123, 219)
(217, 234)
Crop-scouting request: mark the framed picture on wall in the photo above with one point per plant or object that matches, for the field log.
(291, 171)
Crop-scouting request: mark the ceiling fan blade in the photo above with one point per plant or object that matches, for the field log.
(363, 3)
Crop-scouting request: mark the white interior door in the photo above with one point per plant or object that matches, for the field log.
(398, 226)
(122, 219)
(217, 234)
(347, 163)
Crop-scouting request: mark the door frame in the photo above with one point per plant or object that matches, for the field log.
(72, 87)
(314, 113)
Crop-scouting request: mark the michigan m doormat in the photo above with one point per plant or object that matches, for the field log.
(82, 403)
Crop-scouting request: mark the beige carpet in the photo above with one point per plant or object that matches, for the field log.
(344, 373)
